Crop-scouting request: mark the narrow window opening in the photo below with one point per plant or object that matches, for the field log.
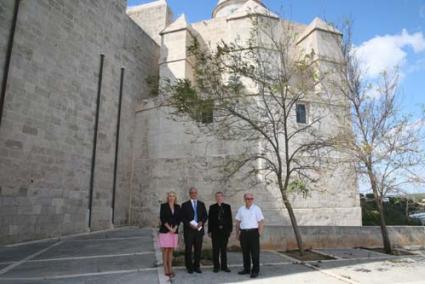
(301, 111)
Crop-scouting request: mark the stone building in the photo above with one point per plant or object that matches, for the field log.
(172, 159)
(64, 166)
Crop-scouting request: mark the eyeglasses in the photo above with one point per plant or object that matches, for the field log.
(249, 198)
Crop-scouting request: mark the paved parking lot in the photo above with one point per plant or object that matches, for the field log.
(119, 256)
(129, 255)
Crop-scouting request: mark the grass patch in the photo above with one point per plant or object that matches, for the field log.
(308, 255)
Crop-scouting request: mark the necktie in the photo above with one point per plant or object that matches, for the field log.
(195, 207)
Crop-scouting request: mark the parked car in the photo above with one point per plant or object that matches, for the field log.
(419, 216)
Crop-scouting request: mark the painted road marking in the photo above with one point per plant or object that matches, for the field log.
(12, 266)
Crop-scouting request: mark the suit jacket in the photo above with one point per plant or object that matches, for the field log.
(213, 222)
(187, 214)
(167, 216)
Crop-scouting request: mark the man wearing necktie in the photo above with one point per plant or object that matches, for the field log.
(194, 216)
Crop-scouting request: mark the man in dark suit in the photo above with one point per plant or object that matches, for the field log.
(194, 215)
(220, 227)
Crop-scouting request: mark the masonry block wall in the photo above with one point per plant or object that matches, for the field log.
(47, 128)
(175, 155)
(152, 17)
(46, 135)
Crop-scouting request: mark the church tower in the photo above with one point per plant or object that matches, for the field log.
(226, 7)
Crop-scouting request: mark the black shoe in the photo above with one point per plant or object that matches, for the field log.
(254, 275)
(190, 271)
(243, 272)
(226, 269)
(215, 270)
(197, 270)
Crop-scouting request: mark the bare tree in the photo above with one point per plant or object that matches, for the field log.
(386, 145)
(255, 90)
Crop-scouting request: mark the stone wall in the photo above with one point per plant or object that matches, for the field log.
(282, 238)
(152, 17)
(46, 136)
(174, 155)
(321, 237)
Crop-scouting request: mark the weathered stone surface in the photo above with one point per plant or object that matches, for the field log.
(278, 237)
(152, 17)
(175, 155)
(6, 15)
(46, 134)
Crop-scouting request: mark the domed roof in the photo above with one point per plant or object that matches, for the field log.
(226, 7)
(222, 1)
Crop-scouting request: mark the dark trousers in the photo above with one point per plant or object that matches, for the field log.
(219, 244)
(250, 244)
(193, 239)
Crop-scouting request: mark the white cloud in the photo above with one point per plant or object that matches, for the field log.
(384, 53)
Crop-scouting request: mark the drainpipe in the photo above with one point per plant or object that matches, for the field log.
(8, 57)
(117, 140)
(96, 124)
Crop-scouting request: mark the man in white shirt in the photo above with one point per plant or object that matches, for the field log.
(249, 227)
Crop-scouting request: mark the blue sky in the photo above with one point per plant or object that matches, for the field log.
(397, 25)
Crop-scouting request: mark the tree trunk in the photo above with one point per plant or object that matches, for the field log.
(384, 230)
(407, 208)
(378, 200)
(294, 223)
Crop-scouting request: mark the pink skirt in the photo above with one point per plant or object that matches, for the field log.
(168, 240)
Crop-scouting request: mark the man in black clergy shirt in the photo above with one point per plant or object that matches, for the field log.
(194, 215)
(220, 227)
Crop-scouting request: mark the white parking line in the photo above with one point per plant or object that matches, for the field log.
(162, 279)
(76, 275)
(90, 256)
(110, 239)
(237, 265)
(67, 237)
(10, 267)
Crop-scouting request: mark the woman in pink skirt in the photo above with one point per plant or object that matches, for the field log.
(168, 231)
